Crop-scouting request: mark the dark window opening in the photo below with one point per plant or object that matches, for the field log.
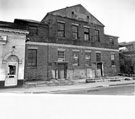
(96, 35)
(12, 70)
(75, 31)
(86, 34)
(61, 29)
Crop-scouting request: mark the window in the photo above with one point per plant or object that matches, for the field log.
(96, 35)
(75, 31)
(98, 57)
(3, 38)
(112, 59)
(87, 59)
(61, 29)
(61, 55)
(111, 41)
(32, 57)
(75, 58)
(86, 34)
(33, 30)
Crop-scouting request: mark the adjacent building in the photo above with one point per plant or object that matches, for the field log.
(127, 57)
(12, 55)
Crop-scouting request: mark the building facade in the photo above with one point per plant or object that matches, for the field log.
(12, 56)
(77, 46)
(68, 44)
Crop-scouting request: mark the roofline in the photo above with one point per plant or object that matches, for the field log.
(74, 6)
(14, 30)
(69, 18)
(111, 35)
(37, 23)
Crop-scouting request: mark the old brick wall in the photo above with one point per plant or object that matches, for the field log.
(81, 71)
(39, 72)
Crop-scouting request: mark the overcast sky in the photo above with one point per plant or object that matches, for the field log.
(118, 16)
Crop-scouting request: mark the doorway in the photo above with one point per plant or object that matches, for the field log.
(12, 71)
(100, 68)
(62, 70)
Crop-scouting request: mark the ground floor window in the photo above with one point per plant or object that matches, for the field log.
(75, 58)
(32, 57)
(112, 59)
(61, 55)
(87, 59)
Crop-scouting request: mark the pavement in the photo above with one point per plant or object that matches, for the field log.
(42, 87)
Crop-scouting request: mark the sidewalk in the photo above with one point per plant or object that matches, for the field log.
(114, 81)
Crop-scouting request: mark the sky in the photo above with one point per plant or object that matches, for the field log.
(118, 16)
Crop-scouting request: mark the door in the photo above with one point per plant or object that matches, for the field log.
(62, 71)
(99, 69)
(12, 72)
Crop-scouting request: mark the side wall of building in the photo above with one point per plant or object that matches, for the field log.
(40, 71)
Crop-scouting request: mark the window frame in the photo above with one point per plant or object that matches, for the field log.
(58, 54)
(75, 32)
(97, 35)
(59, 30)
(113, 60)
(76, 61)
(88, 61)
(87, 34)
(98, 59)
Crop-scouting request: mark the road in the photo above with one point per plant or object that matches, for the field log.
(112, 90)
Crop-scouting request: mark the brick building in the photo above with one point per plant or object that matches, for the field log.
(78, 47)
(68, 44)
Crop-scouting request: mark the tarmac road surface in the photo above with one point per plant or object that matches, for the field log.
(112, 90)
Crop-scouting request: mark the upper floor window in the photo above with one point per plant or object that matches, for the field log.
(61, 29)
(98, 57)
(32, 57)
(75, 58)
(75, 31)
(111, 41)
(86, 34)
(61, 55)
(88, 58)
(96, 35)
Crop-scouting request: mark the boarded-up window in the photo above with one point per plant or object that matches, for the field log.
(75, 58)
(32, 57)
(87, 59)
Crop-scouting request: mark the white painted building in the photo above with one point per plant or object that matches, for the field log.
(12, 56)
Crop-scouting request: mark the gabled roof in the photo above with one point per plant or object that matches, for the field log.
(77, 12)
